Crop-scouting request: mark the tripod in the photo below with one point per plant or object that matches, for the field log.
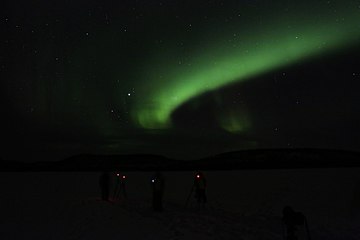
(286, 232)
(188, 198)
(120, 188)
(200, 195)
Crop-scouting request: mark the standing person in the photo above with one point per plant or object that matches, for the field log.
(104, 182)
(158, 185)
(292, 220)
(200, 188)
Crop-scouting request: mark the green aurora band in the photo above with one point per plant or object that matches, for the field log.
(254, 51)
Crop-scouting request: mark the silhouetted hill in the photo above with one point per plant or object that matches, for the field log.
(247, 159)
(13, 165)
(278, 159)
(89, 162)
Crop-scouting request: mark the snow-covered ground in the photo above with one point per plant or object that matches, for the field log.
(242, 205)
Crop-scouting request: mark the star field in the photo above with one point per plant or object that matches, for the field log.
(132, 75)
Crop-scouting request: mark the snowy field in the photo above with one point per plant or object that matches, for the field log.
(242, 205)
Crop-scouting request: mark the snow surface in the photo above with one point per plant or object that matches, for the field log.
(242, 205)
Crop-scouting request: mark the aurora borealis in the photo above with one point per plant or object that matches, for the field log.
(252, 52)
(219, 75)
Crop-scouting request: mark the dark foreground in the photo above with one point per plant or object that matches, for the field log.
(242, 205)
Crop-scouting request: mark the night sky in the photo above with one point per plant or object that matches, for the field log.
(183, 79)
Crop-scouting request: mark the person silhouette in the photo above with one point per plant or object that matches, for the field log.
(292, 220)
(104, 182)
(158, 185)
(200, 188)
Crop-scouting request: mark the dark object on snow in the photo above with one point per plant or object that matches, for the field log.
(200, 189)
(120, 187)
(292, 220)
(104, 182)
(158, 185)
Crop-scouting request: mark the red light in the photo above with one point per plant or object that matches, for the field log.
(124, 177)
(198, 176)
(117, 174)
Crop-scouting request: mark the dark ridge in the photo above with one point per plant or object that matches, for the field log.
(90, 162)
(9, 166)
(239, 160)
(278, 159)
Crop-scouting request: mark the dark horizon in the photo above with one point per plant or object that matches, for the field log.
(245, 160)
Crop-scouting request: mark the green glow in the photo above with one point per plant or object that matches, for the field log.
(234, 122)
(219, 62)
